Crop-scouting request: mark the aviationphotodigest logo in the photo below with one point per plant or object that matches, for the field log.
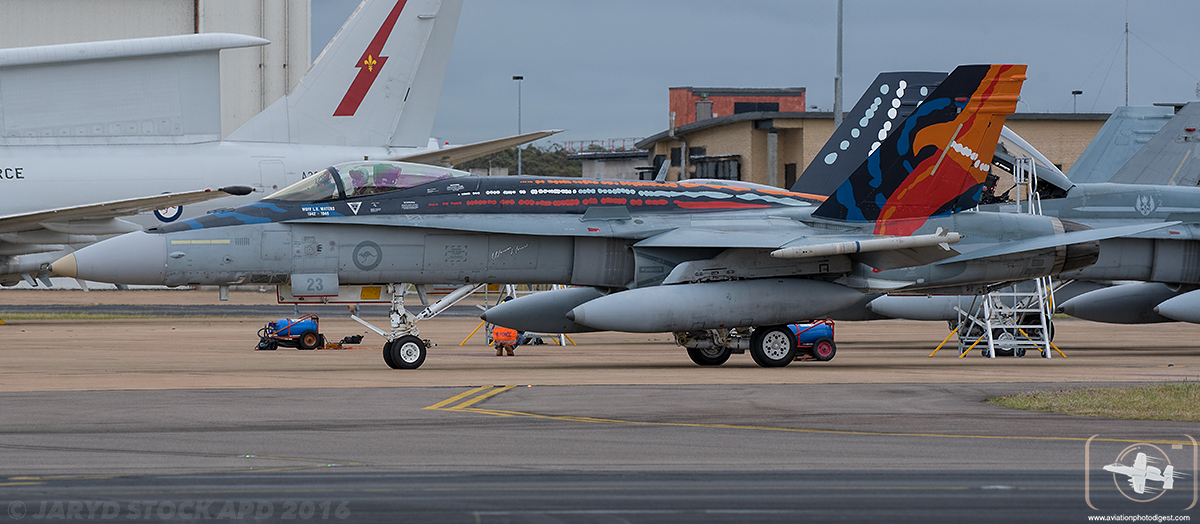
(1118, 473)
(369, 65)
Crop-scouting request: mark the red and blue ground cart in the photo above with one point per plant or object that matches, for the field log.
(817, 338)
(299, 333)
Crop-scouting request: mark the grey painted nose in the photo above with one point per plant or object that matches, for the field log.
(134, 258)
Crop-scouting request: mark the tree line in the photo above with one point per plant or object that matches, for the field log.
(536, 160)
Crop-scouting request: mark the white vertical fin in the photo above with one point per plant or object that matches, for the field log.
(376, 84)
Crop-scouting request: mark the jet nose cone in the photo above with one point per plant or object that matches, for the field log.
(134, 258)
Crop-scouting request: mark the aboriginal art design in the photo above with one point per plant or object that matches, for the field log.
(518, 195)
(935, 162)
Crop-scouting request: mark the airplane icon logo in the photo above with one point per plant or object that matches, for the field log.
(1141, 471)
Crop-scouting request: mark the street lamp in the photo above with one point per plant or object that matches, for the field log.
(518, 80)
(1075, 100)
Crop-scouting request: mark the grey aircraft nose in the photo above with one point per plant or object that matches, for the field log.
(133, 258)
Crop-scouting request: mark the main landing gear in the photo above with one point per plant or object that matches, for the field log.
(404, 348)
(770, 346)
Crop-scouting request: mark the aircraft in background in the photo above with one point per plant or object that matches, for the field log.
(1159, 182)
(724, 265)
(93, 133)
(1165, 263)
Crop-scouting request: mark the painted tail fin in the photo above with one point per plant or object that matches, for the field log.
(883, 106)
(937, 161)
(376, 84)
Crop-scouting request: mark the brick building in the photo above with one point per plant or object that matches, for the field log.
(694, 104)
(774, 147)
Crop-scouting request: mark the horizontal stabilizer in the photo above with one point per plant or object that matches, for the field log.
(111, 209)
(128, 48)
(1048, 241)
(453, 155)
(157, 90)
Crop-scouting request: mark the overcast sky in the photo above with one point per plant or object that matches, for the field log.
(602, 69)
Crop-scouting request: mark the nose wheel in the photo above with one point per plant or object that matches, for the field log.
(404, 350)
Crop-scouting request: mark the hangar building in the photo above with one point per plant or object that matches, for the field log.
(251, 78)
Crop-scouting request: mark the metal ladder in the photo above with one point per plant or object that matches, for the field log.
(1013, 319)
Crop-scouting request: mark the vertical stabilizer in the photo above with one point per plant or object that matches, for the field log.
(1170, 157)
(936, 162)
(376, 84)
(870, 121)
(1123, 135)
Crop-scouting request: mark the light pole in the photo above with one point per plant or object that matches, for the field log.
(837, 76)
(518, 79)
(1075, 100)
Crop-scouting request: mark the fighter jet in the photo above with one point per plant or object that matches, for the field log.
(1151, 184)
(92, 133)
(1140, 472)
(724, 265)
(1161, 262)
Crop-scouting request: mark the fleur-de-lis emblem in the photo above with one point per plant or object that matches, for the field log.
(370, 63)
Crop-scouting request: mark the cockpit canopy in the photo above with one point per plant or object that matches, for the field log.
(355, 179)
(1052, 183)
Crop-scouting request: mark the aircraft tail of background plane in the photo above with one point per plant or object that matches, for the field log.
(1169, 158)
(1123, 135)
(377, 83)
(870, 121)
(937, 161)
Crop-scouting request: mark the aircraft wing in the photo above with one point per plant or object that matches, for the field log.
(730, 237)
(458, 154)
(1139, 463)
(106, 211)
(1048, 241)
(1139, 483)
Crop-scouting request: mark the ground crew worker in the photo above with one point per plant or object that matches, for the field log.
(505, 339)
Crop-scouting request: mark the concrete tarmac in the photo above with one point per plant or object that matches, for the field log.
(147, 417)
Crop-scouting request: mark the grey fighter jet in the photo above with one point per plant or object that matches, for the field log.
(1163, 264)
(1141, 168)
(724, 265)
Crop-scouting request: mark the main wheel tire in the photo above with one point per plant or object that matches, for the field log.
(407, 352)
(823, 349)
(1002, 334)
(773, 346)
(710, 356)
(308, 340)
(387, 355)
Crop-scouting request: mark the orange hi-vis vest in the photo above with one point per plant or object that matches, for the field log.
(503, 335)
